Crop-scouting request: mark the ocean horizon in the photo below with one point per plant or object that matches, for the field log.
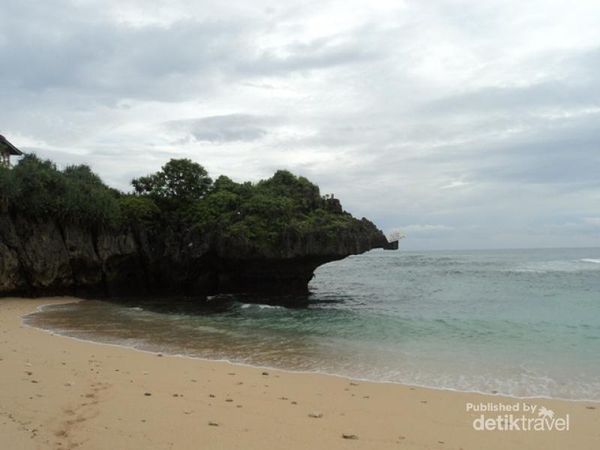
(517, 322)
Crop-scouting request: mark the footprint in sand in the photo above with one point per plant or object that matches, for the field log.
(349, 436)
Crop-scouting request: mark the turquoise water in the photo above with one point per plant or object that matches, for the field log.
(516, 322)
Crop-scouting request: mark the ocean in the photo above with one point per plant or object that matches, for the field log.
(516, 322)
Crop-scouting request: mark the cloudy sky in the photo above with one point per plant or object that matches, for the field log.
(466, 124)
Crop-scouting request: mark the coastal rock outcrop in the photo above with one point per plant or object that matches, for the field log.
(63, 231)
(51, 258)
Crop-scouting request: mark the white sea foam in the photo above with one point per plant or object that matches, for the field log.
(564, 266)
(590, 260)
(259, 306)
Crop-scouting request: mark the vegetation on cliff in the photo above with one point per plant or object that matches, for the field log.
(181, 195)
(36, 189)
(178, 233)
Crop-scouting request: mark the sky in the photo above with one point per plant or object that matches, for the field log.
(464, 124)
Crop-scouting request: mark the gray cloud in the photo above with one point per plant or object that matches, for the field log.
(467, 124)
(532, 98)
(225, 128)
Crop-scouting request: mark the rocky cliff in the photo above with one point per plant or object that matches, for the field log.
(50, 258)
(63, 231)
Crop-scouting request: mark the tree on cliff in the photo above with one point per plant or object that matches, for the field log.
(180, 180)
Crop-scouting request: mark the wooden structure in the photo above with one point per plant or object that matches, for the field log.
(6, 151)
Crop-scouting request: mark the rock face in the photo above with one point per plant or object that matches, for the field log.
(49, 258)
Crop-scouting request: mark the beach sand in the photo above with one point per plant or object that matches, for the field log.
(61, 393)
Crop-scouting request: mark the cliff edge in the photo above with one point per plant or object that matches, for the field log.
(89, 240)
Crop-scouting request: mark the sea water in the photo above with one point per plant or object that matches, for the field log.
(516, 322)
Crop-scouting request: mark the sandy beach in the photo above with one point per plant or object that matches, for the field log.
(61, 393)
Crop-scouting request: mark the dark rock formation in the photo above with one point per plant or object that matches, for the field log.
(393, 245)
(49, 258)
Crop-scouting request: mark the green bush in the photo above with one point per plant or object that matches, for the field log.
(37, 189)
(138, 210)
(8, 187)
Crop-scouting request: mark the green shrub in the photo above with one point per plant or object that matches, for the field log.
(76, 195)
(138, 210)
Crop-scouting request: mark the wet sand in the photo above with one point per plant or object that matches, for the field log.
(60, 393)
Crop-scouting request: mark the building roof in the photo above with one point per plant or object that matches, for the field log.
(5, 145)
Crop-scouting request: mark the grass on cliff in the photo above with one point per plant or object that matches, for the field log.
(181, 195)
